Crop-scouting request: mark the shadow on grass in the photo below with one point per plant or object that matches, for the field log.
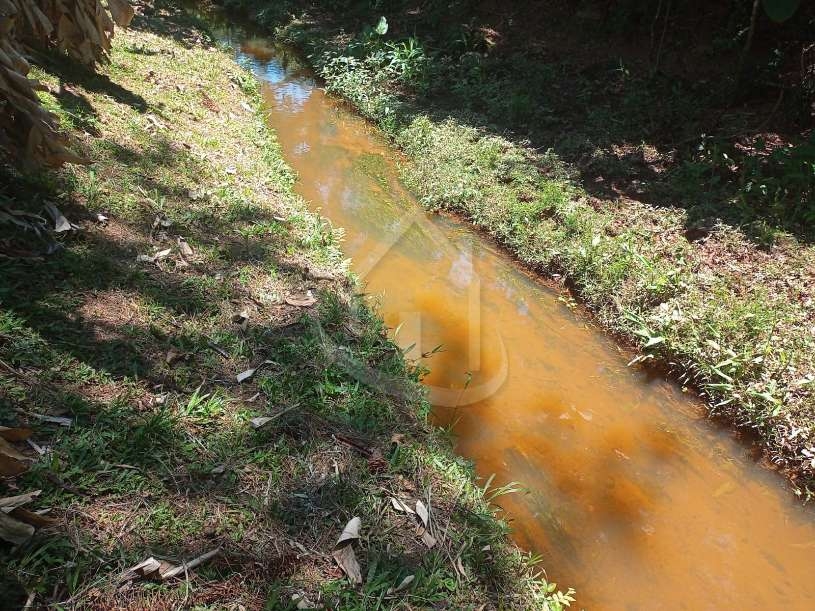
(155, 432)
(73, 73)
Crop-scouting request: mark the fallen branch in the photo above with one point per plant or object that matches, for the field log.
(188, 566)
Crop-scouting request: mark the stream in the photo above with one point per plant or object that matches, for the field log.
(633, 496)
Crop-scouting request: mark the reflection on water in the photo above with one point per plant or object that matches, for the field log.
(634, 498)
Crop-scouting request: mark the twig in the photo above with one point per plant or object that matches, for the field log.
(653, 26)
(749, 42)
(662, 38)
(187, 566)
(354, 444)
(187, 586)
(217, 348)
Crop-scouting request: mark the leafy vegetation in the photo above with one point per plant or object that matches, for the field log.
(182, 370)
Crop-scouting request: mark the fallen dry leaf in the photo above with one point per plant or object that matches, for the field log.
(245, 375)
(162, 254)
(459, 566)
(145, 568)
(347, 560)
(14, 434)
(428, 539)
(260, 421)
(60, 420)
(154, 121)
(319, 274)
(377, 462)
(161, 221)
(35, 519)
(424, 515)
(242, 319)
(9, 450)
(173, 355)
(400, 506)
(398, 438)
(351, 531)
(121, 11)
(344, 550)
(163, 571)
(184, 247)
(61, 224)
(188, 566)
(36, 447)
(303, 602)
(301, 302)
(10, 502)
(14, 531)
(9, 466)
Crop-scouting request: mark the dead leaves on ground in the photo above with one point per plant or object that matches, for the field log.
(14, 531)
(36, 224)
(422, 512)
(402, 585)
(344, 551)
(184, 248)
(249, 373)
(261, 421)
(18, 524)
(161, 570)
(345, 556)
(424, 515)
(158, 232)
(162, 254)
(61, 224)
(242, 319)
(301, 301)
(12, 461)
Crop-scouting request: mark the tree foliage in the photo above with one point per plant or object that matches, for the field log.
(82, 29)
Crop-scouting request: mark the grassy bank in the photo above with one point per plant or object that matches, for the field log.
(701, 256)
(126, 344)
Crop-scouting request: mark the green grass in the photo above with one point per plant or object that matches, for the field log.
(702, 266)
(161, 459)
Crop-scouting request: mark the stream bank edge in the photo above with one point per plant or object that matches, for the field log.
(193, 263)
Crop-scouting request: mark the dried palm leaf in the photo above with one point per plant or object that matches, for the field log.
(80, 28)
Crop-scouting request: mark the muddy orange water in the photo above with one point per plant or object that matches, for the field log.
(634, 498)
